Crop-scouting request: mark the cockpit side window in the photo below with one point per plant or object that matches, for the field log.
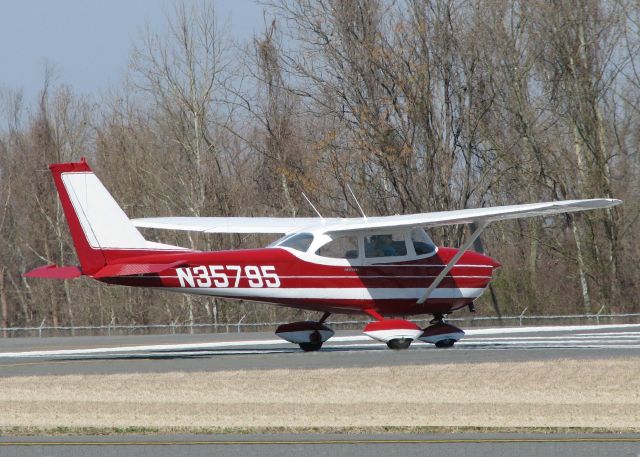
(422, 244)
(385, 245)
(299, 242)
(344, 247)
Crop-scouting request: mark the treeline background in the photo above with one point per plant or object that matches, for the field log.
(417, 105)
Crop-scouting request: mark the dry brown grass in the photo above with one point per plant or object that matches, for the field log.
(603, 394)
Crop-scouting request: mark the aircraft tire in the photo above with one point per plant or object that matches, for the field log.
(310, 347)
(448, 343)
(399, 343)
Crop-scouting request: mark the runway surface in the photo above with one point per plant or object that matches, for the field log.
(257, 351)
(494, 445)
(252, 351)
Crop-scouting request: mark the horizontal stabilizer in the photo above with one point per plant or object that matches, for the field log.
(131, 269)
(54, 272)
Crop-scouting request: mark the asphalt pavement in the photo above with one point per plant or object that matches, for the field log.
(262, 351)
(446, 445)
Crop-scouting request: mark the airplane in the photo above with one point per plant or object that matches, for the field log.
(385, 267)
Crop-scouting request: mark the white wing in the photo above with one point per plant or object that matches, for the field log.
(294, 224)
(231, 224)
(468, 216)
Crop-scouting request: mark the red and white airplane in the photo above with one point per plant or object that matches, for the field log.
(385, 267)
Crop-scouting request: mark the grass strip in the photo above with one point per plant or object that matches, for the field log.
(542, 396)
(391, 430)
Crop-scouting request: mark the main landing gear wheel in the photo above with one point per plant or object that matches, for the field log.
(309, 335)
(399, 343)
(448, 343)
(310, 347)
(396, 333)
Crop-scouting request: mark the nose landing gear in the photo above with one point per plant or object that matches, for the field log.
(441, 334)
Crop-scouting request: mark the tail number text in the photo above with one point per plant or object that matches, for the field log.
(228, 276)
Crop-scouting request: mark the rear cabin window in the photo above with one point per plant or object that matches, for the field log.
(344, 247)
(299, 242)
(385, 245)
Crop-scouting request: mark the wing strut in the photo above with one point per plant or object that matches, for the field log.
(481, 226)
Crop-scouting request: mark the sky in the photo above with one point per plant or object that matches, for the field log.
(88, 42)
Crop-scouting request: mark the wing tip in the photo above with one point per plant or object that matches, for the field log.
(606, 202)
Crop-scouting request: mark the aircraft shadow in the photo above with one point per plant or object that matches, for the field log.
(207, 353)
(200, 353)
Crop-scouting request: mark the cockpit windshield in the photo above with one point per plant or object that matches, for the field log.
(422, 244)
(298, 241)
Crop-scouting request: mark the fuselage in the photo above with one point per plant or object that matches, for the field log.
(277, 275)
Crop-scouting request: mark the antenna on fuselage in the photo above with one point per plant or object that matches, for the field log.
(314, 208)
(357, 202)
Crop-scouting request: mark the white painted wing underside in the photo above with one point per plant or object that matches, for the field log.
(334, 225)
(233, 224)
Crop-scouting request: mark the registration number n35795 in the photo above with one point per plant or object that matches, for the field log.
(228, 276)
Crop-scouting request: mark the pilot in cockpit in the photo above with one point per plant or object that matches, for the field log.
(383, 245)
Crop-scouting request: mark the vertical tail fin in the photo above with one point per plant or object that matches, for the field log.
(97, 223)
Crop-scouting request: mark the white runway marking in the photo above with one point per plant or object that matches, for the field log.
(550, 328)
(593, 336)
(155, 347)
(476, 339)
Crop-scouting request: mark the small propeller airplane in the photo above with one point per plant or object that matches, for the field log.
(385, 267)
